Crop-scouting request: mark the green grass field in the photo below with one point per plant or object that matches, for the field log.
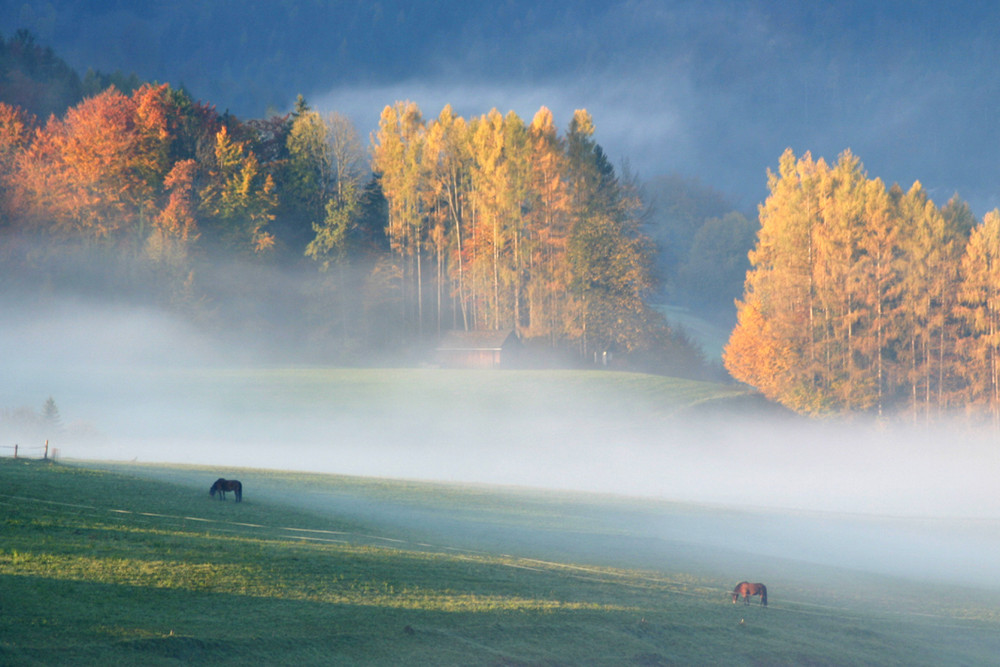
(302, 392)
(132, 564)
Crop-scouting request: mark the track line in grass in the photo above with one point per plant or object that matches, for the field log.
(53, 502)
(309, 538)
(309, 530)
(467, 551)
(379, 537)
(523, 567)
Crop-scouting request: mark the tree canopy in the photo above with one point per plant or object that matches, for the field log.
(485, 223)
(867, 298)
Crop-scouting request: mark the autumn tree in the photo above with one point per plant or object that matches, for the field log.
(980, 309)
(491, 233)
(447, 165)
(529, 230)
(238, 197)
(933, 245)
(397, 159)
(517, 199)
(547, 227)
(851, 302)
(879, 265)
(98, 174)
(815, 322)
(175, 230)
(774, 345)
(16, 129)
(90, 173)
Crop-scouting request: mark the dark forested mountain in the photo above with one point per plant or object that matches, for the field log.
(702, 243)
(715, 90)
(35, 78)
(256, 55)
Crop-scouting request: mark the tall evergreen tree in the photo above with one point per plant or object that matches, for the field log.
(610, 260)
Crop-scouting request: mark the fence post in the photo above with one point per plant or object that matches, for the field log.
(45, 456)
(15, 450)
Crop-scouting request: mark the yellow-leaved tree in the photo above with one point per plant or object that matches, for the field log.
(980, 308)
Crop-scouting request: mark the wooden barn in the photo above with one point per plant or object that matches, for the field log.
(478, 349)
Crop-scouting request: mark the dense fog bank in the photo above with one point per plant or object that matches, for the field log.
(144, 380)
(138, 384)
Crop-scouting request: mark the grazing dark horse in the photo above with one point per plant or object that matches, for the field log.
(223, 485)
(746, 589)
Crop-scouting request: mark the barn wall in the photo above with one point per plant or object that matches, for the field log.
(469, 358)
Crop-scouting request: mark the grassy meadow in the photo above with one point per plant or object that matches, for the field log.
(134, 564)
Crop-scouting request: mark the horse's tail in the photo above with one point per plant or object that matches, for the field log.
(763, 595)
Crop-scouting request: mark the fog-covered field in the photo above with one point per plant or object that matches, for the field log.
(918, 500)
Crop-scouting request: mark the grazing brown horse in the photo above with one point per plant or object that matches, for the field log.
(746, 589)
(223, 485)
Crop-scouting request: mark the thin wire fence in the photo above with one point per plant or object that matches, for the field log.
(22, 451)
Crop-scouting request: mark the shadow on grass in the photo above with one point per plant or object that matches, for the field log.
(58, 622)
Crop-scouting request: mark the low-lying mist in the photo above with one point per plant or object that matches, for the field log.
(138, 384)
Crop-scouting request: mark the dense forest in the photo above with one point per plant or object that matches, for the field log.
(864, 297)
(856, 297)
(480, 223)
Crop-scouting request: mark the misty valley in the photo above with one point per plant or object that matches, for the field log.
(477, 392)
(699, 482)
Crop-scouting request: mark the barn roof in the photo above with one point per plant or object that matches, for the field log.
(475, 340)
